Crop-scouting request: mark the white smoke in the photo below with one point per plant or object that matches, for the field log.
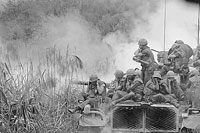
(181, 24)
(116, 50)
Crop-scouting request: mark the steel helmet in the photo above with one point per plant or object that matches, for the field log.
(130, 72)
(170, 74)
(93, 78)
(119, 74)
(157, 75)
(143, 42)
(86, 109)
(138, 73)
(179, 42)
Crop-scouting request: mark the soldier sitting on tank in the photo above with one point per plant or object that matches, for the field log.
(96, 92)
(173, 93)
(152, 86)
(121, 90)
(134, 87)
(116, 84)
(145, 56)
(165, 91)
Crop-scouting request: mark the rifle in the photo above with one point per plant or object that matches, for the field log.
(155, 50)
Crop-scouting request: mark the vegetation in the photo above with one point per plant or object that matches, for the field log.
(31, 102)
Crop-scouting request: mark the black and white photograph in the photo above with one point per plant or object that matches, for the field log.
(99, 66)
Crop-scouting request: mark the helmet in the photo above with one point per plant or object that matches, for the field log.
(130, 72)
(170, 74)
(86, 109)
(119, 73)
(179, 42)
(138, 73)
(93, 78)
(143, 42)
(157, 75)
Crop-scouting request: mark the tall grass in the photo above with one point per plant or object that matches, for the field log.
(31, 100)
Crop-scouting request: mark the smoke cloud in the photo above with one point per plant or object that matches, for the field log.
(101, 43)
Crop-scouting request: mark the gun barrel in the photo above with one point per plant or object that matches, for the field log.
(80, 82)
(155, 50)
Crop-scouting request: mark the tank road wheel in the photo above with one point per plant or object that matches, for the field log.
(184, 130)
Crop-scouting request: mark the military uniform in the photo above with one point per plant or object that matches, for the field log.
(175, 93)
(174, 89)
(179, 54)
(152, 87)
(147, 70)
(193, 93)
(185, 83)
(163, 92)
(196, 58)
(145, 54)
(95, 93)
(134, 88)
(116, 84)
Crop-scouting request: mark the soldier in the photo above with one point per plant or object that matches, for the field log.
(116, 84)
(121, 90)
(193, 93)
(145, 56)
(185, 83)
(173, 86)
(96, 91)
(174, 93)
(152, 86)
(134, 86)
(179, 55)
(196, 58)
(162, 91)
